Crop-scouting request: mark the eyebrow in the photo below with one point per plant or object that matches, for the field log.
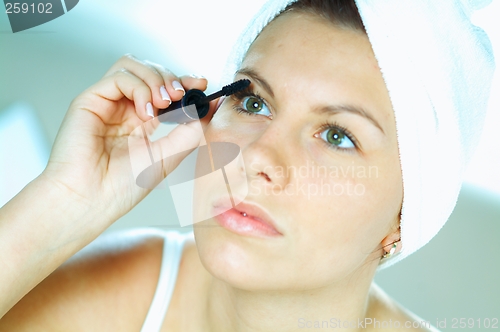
(335, 109)
(330, 109)
(256, 77)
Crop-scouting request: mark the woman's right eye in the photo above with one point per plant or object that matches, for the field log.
(253, 105)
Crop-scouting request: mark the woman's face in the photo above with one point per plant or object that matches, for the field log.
(327, 175)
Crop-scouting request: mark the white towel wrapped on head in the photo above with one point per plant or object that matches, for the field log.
(438, 69)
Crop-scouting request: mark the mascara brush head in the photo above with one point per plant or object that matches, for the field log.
(235, 87)
(227, 90)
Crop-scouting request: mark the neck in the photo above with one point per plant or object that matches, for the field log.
(232, 309)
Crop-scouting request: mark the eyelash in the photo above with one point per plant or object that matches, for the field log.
(334, 125)
(240, 95)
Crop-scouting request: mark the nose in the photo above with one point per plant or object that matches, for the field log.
(266, 159)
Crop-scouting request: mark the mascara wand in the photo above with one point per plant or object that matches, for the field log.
(195, 104)
(227, 90)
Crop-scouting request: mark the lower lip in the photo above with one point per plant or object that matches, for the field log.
(234, 221)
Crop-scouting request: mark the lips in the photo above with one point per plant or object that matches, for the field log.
(245, 218)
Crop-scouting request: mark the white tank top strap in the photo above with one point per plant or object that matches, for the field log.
(172, 252)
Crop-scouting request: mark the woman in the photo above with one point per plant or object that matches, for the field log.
(318, 100)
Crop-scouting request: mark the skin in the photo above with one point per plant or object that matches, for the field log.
(320, 267)
(87, 185)
(331, 244)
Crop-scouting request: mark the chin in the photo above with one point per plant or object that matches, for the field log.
(243, 262)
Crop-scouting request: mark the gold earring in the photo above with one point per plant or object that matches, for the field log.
(392, 251)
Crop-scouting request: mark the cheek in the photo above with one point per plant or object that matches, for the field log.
(362, 190)
(228, 126)
(222, 127)
(346, 225)
(218, 128)
(343, 209)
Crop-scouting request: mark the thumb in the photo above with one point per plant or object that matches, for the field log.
(153, 161)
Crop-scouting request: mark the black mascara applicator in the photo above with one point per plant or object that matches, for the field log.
(195, 104)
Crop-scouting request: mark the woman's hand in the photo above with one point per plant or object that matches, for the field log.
(90, 157)
(88, 182)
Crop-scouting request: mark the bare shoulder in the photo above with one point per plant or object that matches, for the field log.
(397, 318)
(107, 286)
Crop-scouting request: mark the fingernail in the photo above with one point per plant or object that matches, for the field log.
(197, 76)
(149, 110)
(178, 87)
(164, 94)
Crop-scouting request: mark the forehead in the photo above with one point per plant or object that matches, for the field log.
(303, 52)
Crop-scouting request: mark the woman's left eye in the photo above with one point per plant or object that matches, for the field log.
(254, 105)
(337, 137)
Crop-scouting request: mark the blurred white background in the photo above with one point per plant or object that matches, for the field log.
(44, 68)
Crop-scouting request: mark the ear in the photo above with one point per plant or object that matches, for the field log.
(392, 238)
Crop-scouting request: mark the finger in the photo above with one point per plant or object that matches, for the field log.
(173, 85)
(161, 81)
(194, 82)
(151, 126)
(119, 85)
(153, 161)
(173, 148)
